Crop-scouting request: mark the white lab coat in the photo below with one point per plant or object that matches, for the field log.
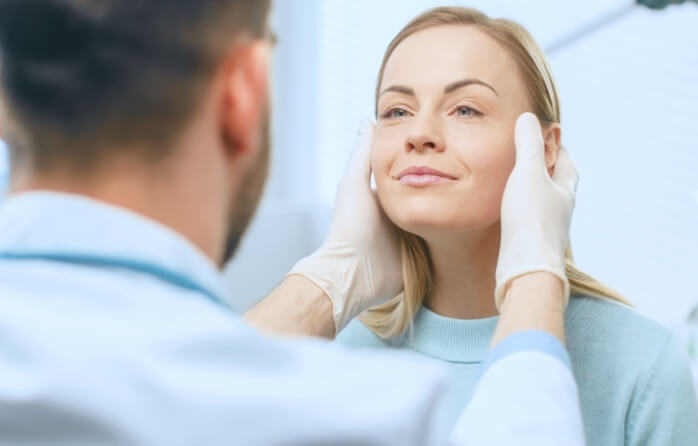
(112, 333)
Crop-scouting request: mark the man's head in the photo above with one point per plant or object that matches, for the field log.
(174, 86)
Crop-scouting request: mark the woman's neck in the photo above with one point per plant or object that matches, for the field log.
(464, 274)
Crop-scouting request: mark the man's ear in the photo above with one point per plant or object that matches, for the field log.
(2, 116)
(244, 97)
(552, 137)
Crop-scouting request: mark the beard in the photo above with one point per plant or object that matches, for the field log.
(253, 182)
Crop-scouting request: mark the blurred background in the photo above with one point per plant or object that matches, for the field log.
(628, 80)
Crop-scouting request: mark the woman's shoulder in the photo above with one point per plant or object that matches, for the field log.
(618, 334)
(613, 317)
(626, 363)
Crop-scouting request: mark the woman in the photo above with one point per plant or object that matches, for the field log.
(450, 88)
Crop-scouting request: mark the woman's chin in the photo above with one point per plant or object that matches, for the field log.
(429, 217)
(428, 223)
(429, 227)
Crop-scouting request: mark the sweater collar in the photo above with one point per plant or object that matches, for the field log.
(449, 339)
(457, 340)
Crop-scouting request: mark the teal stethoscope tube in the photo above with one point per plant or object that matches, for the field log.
(171, 277)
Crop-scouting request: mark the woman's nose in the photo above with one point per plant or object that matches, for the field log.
(424, 136)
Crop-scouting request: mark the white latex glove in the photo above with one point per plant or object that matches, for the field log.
(359, 264)
(536, 211)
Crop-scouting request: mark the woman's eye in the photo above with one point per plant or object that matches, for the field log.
(394, 113)
(466, 111)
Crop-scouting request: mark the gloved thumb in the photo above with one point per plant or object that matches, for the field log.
(359, 169)
(528, 138)
(565, 174)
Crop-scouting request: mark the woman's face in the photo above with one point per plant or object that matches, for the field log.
(443, 144)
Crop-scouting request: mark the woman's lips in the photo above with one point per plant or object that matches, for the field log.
(422, 180)
(423, 176)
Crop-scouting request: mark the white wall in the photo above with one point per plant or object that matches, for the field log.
(630, 107)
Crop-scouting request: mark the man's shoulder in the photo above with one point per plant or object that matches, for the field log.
(62, 307)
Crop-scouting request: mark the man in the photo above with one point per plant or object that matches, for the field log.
(139, 144)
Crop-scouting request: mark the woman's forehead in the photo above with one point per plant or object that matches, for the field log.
(439, 55)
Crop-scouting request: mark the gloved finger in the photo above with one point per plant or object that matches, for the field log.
(359, 169)
(565, 174)
(528, 138)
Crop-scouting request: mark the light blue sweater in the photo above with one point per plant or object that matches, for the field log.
(635, 384)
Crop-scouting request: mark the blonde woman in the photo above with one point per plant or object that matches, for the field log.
(450, 88)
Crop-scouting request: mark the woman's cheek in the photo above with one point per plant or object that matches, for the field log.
(383, 153)
(383, 158)
(494, 177)
(489, 162)
(380, 172)
(380, 165)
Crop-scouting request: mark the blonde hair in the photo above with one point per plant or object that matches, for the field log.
(396, 316)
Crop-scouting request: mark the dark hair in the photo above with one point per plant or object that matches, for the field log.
(82, 79)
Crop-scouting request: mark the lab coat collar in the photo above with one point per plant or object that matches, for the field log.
(74, 225)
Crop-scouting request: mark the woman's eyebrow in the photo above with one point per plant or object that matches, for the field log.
(465, 82)
(398, 89)
(449, 88)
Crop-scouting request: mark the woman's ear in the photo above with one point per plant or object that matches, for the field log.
(552, 137)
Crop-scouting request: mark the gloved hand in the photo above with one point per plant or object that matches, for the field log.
(536, 211)
(359, 264)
